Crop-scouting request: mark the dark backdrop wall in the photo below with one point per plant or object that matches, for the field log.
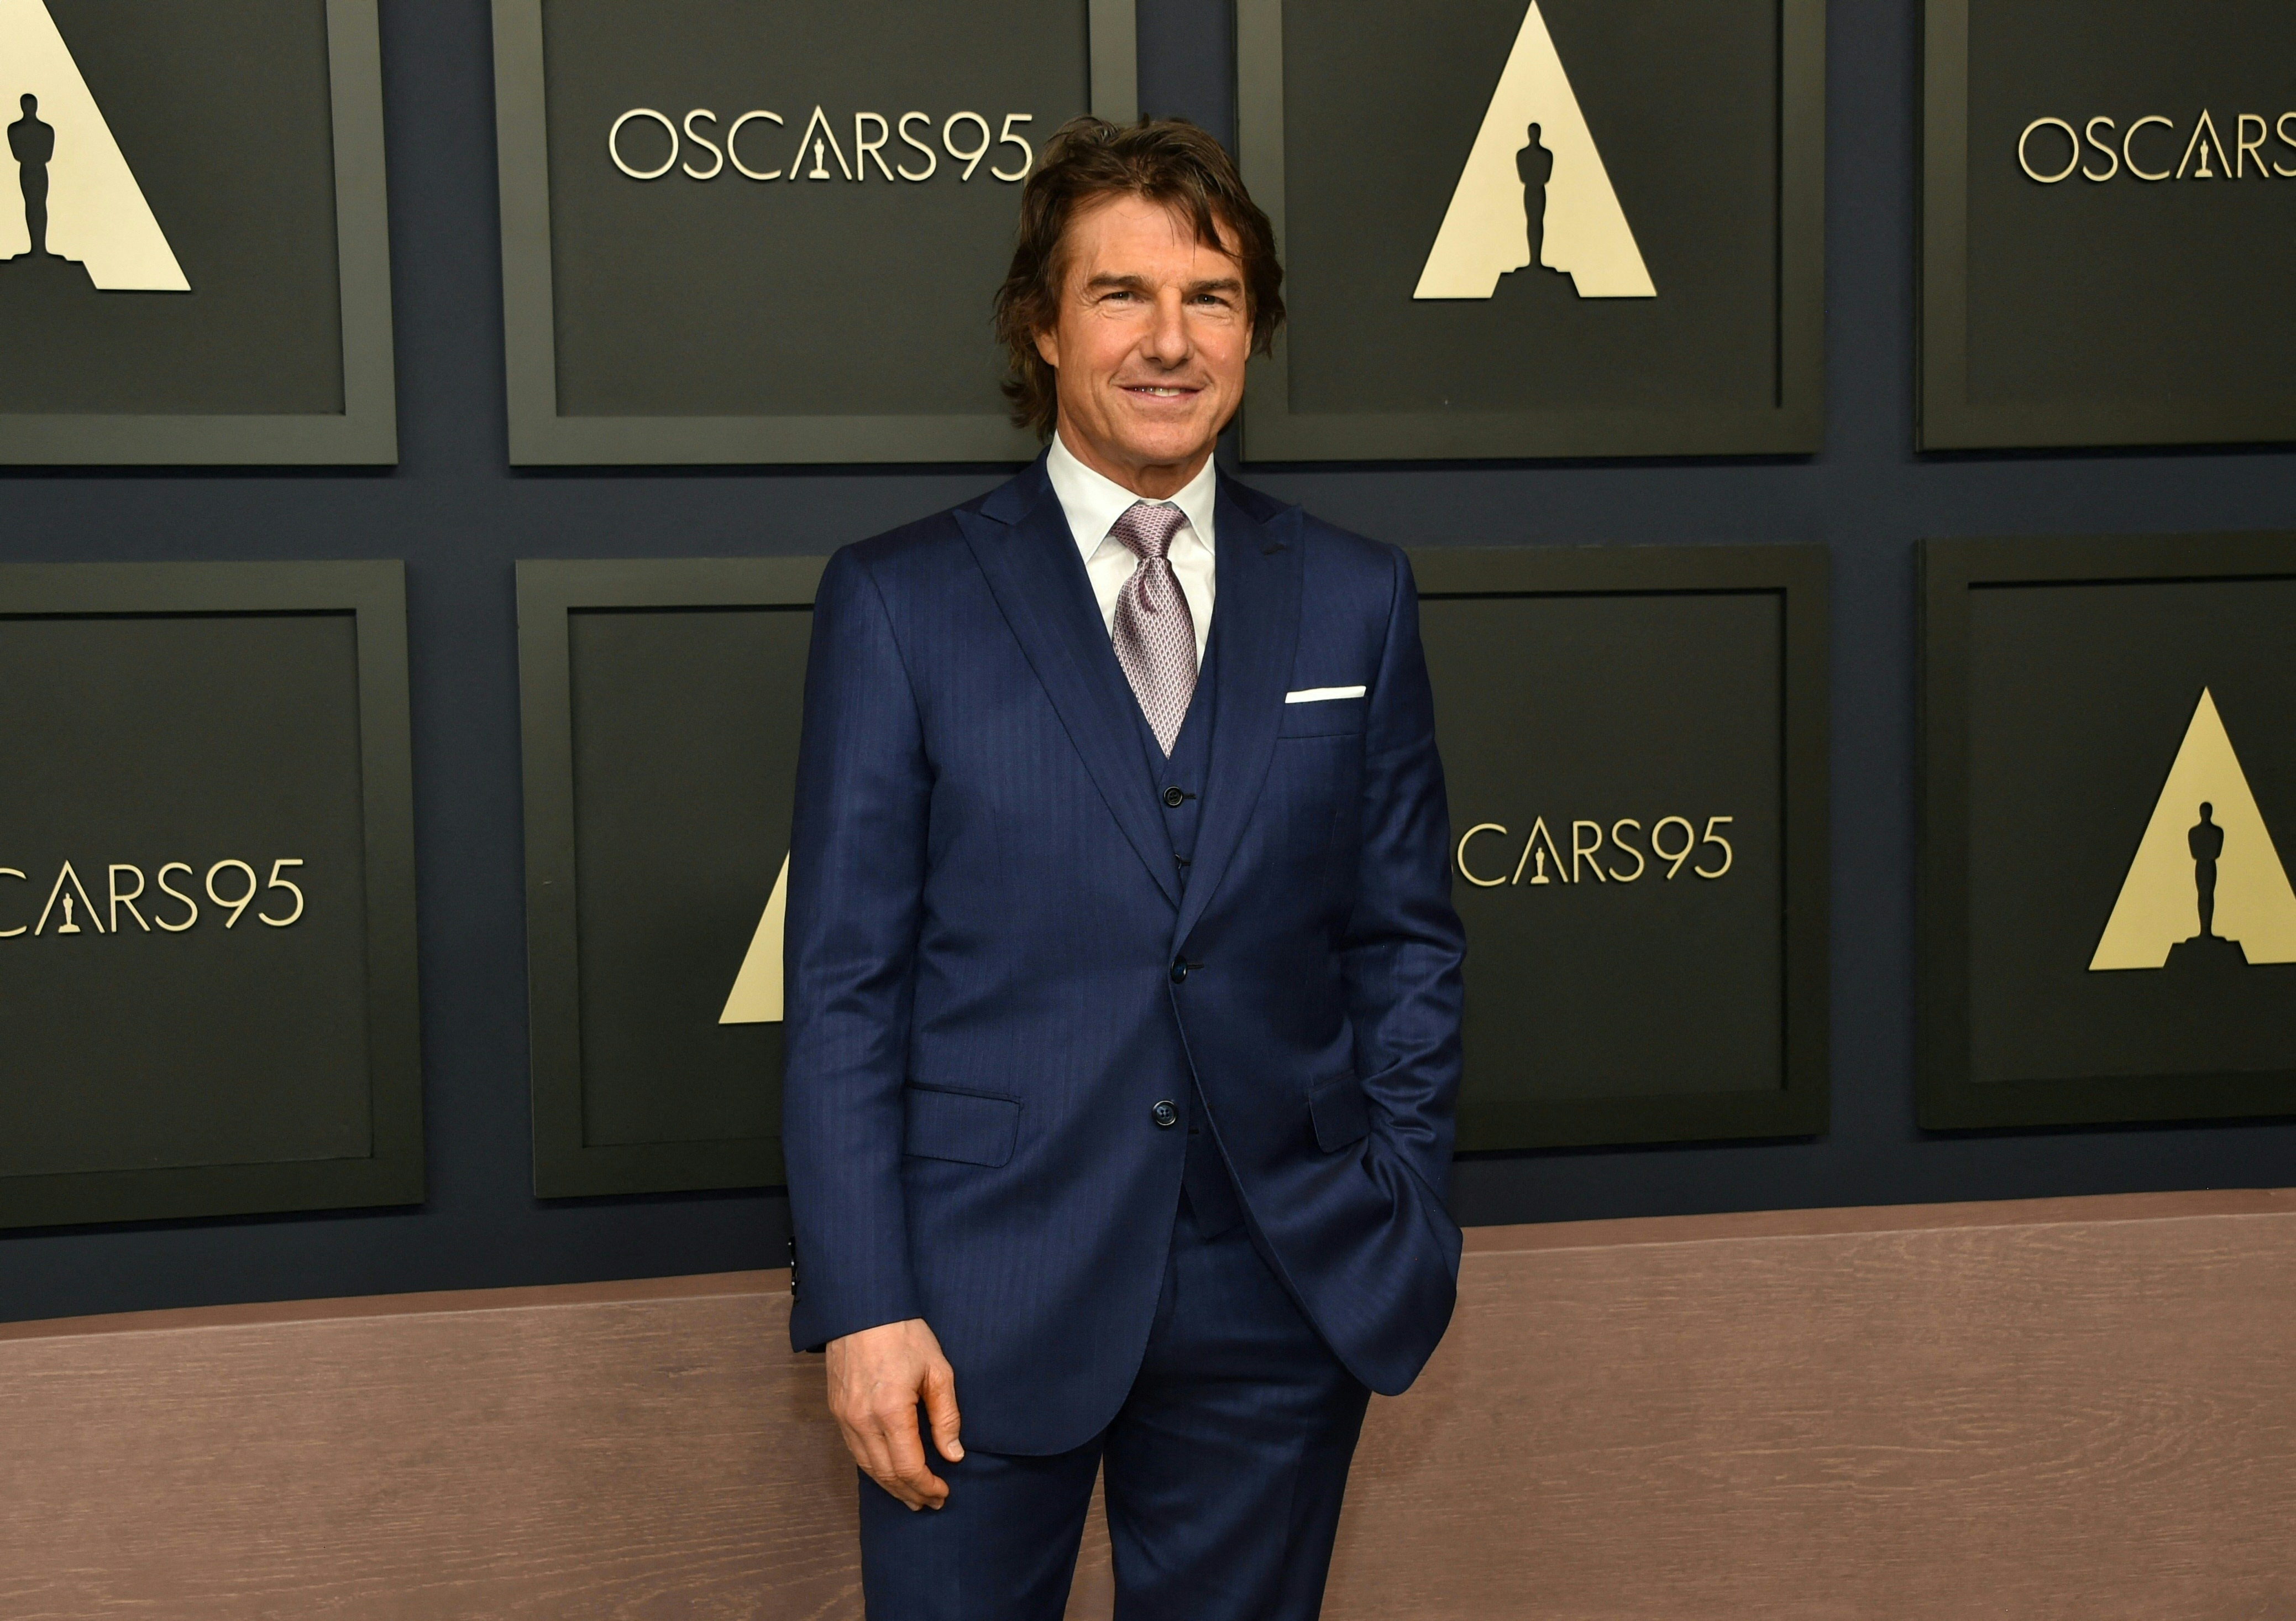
(459, 516)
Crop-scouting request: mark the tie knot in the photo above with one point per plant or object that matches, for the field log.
(1147, 527)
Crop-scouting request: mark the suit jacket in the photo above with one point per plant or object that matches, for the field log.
(997, 973)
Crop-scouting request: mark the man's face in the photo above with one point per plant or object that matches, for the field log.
(1150, 343)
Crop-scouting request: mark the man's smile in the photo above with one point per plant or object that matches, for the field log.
(1160, 391)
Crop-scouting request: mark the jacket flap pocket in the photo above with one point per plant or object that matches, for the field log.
(969, 1127)
(1339, 1111)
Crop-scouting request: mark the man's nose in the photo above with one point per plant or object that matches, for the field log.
(1168, 335)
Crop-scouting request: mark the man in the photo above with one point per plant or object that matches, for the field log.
(1123, 977)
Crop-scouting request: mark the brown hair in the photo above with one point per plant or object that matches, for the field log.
(1165, 160)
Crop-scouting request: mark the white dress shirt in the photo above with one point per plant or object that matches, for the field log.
(1093, 504)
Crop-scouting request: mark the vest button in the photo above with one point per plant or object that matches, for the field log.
(1174, 798)
(1164, 1114)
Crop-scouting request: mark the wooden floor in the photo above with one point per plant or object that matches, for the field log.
(2077, 1408)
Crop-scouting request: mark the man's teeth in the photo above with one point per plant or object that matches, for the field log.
(1160, 393)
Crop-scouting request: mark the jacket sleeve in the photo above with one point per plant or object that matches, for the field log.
(857, 877)
(1404, 947)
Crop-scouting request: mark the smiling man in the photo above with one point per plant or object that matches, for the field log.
(1124, 983)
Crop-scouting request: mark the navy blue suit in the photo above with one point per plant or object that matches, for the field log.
(1000, 965)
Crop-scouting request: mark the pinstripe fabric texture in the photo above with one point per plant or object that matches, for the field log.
(1155, 636)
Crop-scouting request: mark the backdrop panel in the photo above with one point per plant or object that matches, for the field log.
(1573, 228)
(195, 260)
(768, 232)
(207, 955)
(2106, 222)
(1635, 744)
(2108, 928)
(661, 703)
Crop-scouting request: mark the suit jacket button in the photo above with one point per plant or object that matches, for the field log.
(1175, 798)
(1164, 1114)
(1179, 972)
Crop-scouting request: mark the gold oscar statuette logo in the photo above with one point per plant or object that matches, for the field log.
(78, 199)
(1534, 159)
(757, 995)
(2206, 886)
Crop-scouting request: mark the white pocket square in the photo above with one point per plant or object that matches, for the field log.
(1321, 694)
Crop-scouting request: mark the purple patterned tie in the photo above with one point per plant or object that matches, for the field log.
(1155, 637)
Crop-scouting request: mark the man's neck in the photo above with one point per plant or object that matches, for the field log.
(1153, 481)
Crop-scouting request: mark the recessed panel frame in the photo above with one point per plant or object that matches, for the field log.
(374, 594)
(365, 432)
(1948, 415)
(541, 434)
(1796, 577)
(1790, 423)
(1952, 1096)
(567, 1163)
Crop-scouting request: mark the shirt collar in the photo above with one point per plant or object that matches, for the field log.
(1094, 502)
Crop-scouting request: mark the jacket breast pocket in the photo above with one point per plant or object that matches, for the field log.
(1325, 718)
(971, 1128)
(1339, 1111)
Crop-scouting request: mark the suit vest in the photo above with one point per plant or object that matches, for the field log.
(1181, 784)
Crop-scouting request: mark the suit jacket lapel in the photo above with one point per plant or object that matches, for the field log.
(1022, 539)
(1255, 615)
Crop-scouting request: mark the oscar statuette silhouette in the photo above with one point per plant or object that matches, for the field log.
(2207, 951)
(1535, 283)
(33, 144)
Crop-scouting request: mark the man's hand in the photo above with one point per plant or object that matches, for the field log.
(876, 1379)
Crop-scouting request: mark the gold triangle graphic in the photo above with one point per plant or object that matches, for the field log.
(1485, 232)
(756, 997)
(2158, 905)
(96, 213)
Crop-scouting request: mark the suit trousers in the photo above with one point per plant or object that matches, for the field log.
(1225, 1470)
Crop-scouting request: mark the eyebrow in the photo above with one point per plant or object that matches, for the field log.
(1222, 284)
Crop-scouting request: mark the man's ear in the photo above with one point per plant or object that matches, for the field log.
(1048, 347)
